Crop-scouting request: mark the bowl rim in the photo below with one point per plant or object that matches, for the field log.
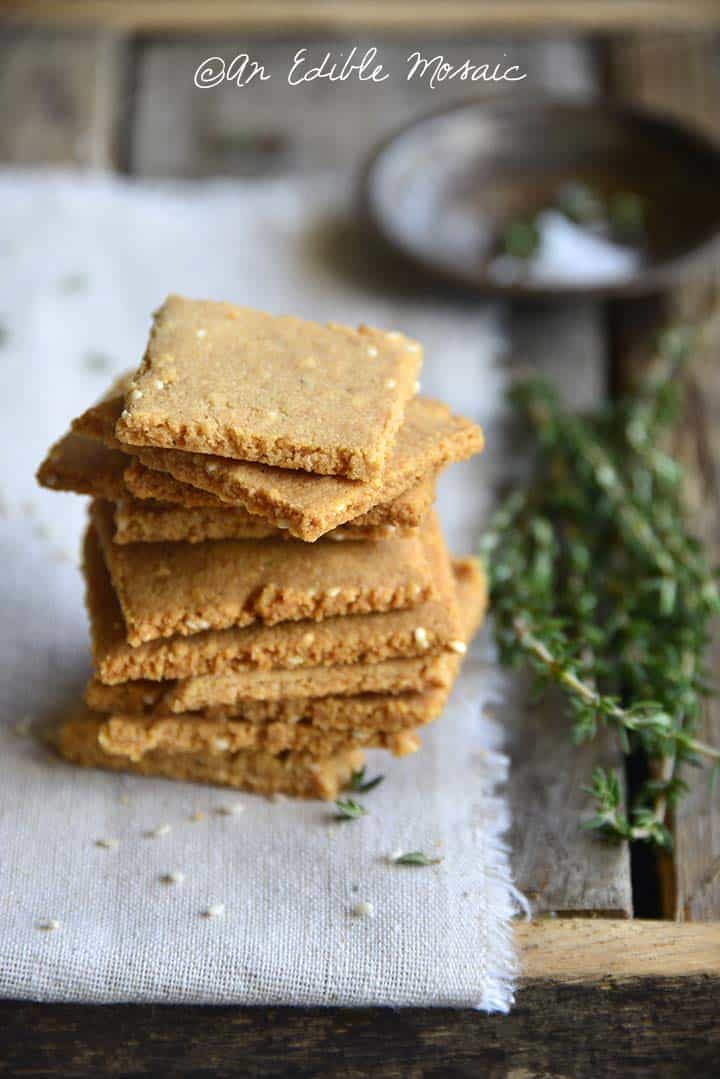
(655, 278)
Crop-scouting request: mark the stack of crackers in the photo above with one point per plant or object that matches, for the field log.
(268, 586)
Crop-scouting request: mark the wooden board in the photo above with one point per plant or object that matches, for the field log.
(682, 75)
(393, 15)
(62, 98)
(559, 866)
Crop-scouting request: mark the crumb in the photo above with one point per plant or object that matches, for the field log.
(364, 910)
(162, 829)
(176, 877)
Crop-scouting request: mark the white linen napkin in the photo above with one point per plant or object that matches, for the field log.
(313, 911)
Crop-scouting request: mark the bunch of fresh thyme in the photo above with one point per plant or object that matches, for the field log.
(596, 582)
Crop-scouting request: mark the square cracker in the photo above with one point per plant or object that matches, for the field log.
(244, 384)
(298, 774)
(86, 465)
(334, 641)
(141, 521)
(310, 506)
(183, 588)
(257, 694)
(82, 464)
(408, 510)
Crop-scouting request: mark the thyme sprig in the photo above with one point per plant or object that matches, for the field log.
(598, 585)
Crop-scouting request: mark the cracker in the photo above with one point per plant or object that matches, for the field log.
(134, 737)
(408, 510)
(294, 694)
(84, 465)
(182, 588)
(142, 521)
(310, 506)
(334, 641)
(430, 437)
(298, 774)
(287, 392)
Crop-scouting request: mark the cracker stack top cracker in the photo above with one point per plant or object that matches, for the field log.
(239, 383)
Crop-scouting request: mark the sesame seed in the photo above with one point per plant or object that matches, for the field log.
(458, 646)
(417, 387)
(233, 810)
(295, 661)
(159, 384)
(50, 924)
(107, 844)
(214, 911)
(364, 910)
(372, 351)
(176, 877)
(136, 395)
(394, 335)
(390, 384)
(413, 346)
(272, 415)
(221, 744)
(282, 524)
(162, 829)
(333, 592)
(201, 333)
(210, 467)
(421, 637)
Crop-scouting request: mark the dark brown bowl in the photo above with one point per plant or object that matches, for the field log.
(443, 188)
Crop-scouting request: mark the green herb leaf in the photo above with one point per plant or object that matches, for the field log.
(520, 238)
(362, 785)
(349, 809)
(415, 857)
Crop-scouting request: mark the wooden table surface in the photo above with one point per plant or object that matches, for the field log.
(622, 964)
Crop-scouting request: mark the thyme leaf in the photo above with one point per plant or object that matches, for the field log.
(415, 857)
(349, 809)
(362, 785)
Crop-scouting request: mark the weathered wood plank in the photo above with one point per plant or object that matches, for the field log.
(682, 75)
(571, 950)
(61, 97)
(558, 865)
(292, 15)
